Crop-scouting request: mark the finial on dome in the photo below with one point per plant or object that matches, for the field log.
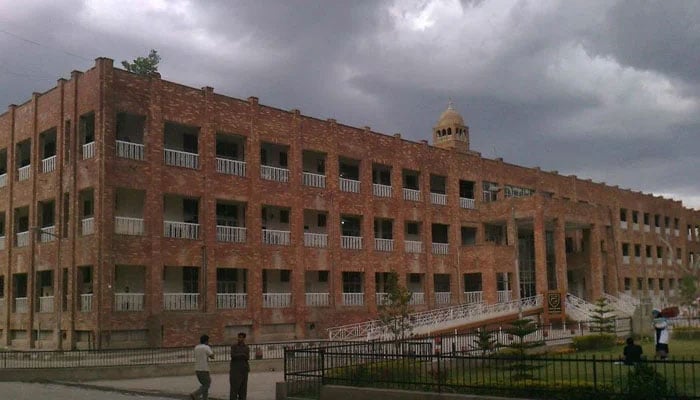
(450, 104)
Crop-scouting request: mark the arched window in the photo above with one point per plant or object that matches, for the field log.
(449, 131)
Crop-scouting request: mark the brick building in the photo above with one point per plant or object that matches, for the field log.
(137, 211)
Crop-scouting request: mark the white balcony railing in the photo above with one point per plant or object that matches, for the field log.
(667, 231)
(441, 248)
(319, 240)
(48, 234)
(381, 190)
(318, 299)
(467, 203)
(676, 233)
(21, 305)
(623, 224)
(86, 302)
(22, 238)
(637, 260)
(474, 297)
(128, 301)
(274, 174)
(349, 185)
(351, 242)
(3, 180)
(314, 180)
(659, 261)
(413, 246)
(179, 158)
(133, 151)
(48, 164)
(353, 299)
(657, 229)
(180, 301)
(443, 297)
(650, 261)
(88, 150)
(417, 298)
(438, 198)
(383, 244)
(180, 230)
(381, 298)
(46, 304)
(277, 300)
(647, 228)
(625, 259)
(24, 173)
(128, 226)
(230, 167)
(635, 226)
(504, 296)
(232, 234)
(231, 300)
(87, 226)
(411, 194)
(280, 238)
(2, 242)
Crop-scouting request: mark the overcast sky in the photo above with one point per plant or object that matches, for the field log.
(608, 90)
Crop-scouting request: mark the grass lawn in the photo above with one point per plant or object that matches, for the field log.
(679, 349)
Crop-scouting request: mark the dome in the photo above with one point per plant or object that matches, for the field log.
(450, 117)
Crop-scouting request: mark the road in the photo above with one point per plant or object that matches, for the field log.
(34, 391)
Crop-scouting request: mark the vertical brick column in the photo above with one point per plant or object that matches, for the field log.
(512, 232)
(596, 262)
(560, 255)
(540, 250)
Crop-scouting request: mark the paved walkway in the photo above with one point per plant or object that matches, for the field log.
(261, 385)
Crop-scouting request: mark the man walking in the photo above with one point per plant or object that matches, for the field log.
(238, 374)
(661, 335)
(202, 355)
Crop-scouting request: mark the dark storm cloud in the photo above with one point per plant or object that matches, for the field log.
(599, 89)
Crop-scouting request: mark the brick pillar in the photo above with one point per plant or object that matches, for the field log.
(540, 252)
(512, 232)
(560, 255)
(596, 261)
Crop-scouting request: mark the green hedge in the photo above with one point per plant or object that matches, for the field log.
(686, 332)
(594, 342)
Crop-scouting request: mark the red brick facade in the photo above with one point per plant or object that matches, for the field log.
(572, 223)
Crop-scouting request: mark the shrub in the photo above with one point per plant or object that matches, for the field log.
(594, 342)
(644, 383)
(686, 332)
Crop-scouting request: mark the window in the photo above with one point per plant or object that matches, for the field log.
(284, 275)
(189, 280)
(284, 216)
(321, 220)
(569, 242)
(640, 284)
(468, 236)
(283, 159)
(412, 228)
(625, 249)
(414, 278)
(628, 284)
(323, 276)
(352, 282)
(623, 215)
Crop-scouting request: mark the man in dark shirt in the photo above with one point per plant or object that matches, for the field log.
(632, 352)
(238, 374)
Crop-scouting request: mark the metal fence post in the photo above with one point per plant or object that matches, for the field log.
(595, 377)
(322, 360)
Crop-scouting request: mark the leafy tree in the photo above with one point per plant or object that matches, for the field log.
(143, 65)
(603, 317)
(485, 342)
(688, 290)
(394, 314)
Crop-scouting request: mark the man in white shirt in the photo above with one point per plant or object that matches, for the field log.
(202, 355)
(660, 334)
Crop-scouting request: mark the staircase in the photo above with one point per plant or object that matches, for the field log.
(577, 308)
(624, 305)
(439, 319)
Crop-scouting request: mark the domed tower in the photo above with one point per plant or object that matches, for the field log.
(450, 131)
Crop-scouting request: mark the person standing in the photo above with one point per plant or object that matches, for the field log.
(202, 355)
(238, 374)
(660, 335)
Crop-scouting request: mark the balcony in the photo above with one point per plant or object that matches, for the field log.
(3, 180)
(88, 150)
(667, 231)
(417, 298)
(46, 304)
(353, 299)
(274, 174)
(381, 298)
(318, 299)
(635, 226)
(439, 199)
(24, 173)
(48, 164)
(314, 180)
(280, 238)
(467, 203)
(128, 226)
(319, 240)
(349, 185)
(637, 260)
(231, 300)
(87, 226)
(85, 302)
(659, 261)
(625, 259)
(132, 151)
(650, 261)
(383, 244)
(623, 224)
(21, 305)
(178, 158)
(441, 248)
(676, 233)
(411, 194)
(412, 246)
(277, 300)
(180, 301)
(230, 167)
(232, 234)
(504, 296)
(474, 297)
(647, 228)
(443, 297)
(2, 242)
(128, 301)
(22, 239)
(657, 229)
(180, 230)
(48, 234)
(381, 190)
(351, 242)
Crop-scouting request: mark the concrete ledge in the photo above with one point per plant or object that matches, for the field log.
(124, 372)
(333, 392)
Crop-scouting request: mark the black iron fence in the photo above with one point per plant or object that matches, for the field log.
(551, 377)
